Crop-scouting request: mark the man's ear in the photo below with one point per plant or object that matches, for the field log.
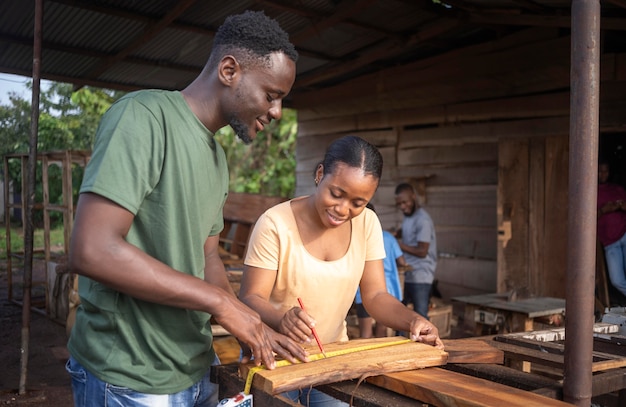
(228, 70)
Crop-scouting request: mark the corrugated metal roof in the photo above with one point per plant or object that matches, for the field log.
(123, 44)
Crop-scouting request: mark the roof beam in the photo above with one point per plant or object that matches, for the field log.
(70, 79)
(382, 51)
(185, 26)
(345, 10)
(150, 32)
(607, 23)
(309, 13)
(129, 15)
(618, 3)
(88, 52)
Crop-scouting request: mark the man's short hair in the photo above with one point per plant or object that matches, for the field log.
(250, 37)
(405, 187)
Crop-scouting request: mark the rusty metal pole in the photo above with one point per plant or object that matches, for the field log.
(30, 196)
(583, 187)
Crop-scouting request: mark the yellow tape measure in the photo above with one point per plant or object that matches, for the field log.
(319, 356)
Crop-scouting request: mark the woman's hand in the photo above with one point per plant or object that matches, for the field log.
(297, 325)
(424, 331)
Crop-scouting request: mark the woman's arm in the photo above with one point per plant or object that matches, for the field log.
(385, 308)
(255, 291)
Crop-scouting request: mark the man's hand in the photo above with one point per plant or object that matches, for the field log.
(282, 345)
(260, 340)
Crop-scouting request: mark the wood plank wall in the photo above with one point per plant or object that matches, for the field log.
(485, 129)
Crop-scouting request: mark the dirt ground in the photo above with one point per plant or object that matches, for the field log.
(47, 383)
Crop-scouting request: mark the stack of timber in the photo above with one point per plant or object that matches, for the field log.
(521, 369)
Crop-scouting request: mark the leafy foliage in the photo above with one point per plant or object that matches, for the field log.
(266, 166)
(68, 120)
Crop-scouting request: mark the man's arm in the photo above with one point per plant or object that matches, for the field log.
(421, 250)
(98, 250)
(214, 270)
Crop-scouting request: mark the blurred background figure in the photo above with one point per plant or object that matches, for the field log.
(391, 263)
(612, 226)
(419, 244)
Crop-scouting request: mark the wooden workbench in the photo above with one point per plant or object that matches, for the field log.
(476, 384)
(511, 315)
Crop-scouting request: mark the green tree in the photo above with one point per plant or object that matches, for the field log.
(266, 166)
(67, 121)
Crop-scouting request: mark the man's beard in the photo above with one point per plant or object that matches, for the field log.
(241, 130)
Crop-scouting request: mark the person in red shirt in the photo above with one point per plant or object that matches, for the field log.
(612, 226)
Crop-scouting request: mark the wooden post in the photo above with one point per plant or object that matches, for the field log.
(30, 198)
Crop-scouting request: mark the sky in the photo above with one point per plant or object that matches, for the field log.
(15, 83)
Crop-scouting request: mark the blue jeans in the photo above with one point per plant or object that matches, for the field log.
(417, 294)
(310, 397)
(615, 255)
(89, 391)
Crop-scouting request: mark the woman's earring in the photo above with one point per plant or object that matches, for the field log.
(317, 181)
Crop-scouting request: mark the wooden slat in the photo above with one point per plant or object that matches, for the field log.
(246, 208)
(543, 356)
(410, 355)
(443, 388)
(472, 351)
(555, 203)
(602, 361)
(509, 376)
(512, 212)
(394, 358)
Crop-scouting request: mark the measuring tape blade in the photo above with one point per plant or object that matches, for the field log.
(320, 356)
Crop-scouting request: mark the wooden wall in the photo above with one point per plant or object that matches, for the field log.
(460, 195)
(485, 130)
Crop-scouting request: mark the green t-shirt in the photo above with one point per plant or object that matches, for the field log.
(155, 158)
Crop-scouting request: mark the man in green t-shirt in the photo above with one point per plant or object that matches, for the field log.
(146, 233)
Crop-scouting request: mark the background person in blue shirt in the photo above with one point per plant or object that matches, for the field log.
(394, 259)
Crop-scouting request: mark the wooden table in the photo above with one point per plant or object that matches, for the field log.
(508, 315)
(477, 384)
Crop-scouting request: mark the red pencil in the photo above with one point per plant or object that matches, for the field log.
(317, 339)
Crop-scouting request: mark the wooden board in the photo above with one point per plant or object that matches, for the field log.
(472, 351)
(406, 356)
(443, 388)
(394, 358)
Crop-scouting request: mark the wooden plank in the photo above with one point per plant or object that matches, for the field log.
(558, 334)
(406, 356)
(556, 203)
(512, 211)
(476, 75)
(472, 351)
(602, 361)
(443, 388)
(246, 208)
(471, 174)
(536, 215)
(543, 357)
(531, 307)
(472, 133)
(469, 273)
(363, 394)
(469, 153)
(510, 377)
